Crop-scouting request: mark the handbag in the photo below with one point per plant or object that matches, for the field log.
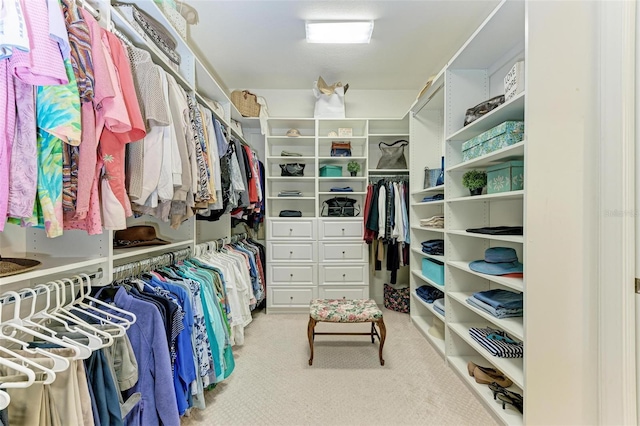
(340, 149)
(340, 207)
(292, 169)
(392, 155)
(482, 108)
(397, 299)
(246, 102)
(290, 213)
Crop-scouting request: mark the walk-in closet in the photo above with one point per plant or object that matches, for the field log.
(318, 212)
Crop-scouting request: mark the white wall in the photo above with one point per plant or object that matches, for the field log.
(358, 103)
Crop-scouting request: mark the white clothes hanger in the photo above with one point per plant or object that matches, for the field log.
(31, 376)
(5, 400)
(98, 340)
(85, 295)
(50, 375)
(80, 351)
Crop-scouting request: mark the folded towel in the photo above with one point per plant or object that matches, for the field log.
(497, 348)
(433, 222)
(498, 313)
(498, 298)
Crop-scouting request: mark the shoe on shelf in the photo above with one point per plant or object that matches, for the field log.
(486, 379)
(486, 375)
(516, 401)
(500, 390)
(490, 371)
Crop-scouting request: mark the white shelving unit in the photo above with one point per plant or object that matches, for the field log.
(473, 75)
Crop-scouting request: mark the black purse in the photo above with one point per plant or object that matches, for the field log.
(340, 207)
(482, 108)
(292, 169)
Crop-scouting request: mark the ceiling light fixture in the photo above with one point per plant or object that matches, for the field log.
(339, 31)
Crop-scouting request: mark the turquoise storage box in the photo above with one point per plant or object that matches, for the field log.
(331, 171)
(434, 270)
(503, 135)
(503, 177)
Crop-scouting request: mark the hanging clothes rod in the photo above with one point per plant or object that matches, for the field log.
(76, 280)
(145, 265)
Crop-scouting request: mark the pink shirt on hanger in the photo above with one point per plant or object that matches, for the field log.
(43, 64)
(104, 108)
(114, 139)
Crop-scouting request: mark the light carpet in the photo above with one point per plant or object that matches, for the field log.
(273, 383)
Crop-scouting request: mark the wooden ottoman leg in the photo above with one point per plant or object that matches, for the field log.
(383, 336)
(310, 328)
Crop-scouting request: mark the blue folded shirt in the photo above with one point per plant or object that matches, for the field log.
(345, 189)
(429, 294)
(438, 305)
(498, 313)
(500, 299)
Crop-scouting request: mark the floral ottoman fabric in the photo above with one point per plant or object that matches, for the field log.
(341, 310)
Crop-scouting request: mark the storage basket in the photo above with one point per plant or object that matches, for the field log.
(433, 270)
(396, 299)
(504, 177)
(246, 102)
(430, 177)
(331, 171)
(498, 137)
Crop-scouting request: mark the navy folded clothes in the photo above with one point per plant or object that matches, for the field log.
(497, 348)
(345, 189)
(434, 247)
(429, 294)
(498, 230)
(498, 299)
(498, 313)
(438, 306)
(436, 197)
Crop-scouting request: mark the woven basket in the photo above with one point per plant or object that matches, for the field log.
(246, 102)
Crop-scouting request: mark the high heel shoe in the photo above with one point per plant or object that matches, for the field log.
(486, 375)
(517, 402)
(500, 390)
(486, 379)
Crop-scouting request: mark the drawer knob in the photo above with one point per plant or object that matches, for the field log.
(291, 298)
(290, 229)
(342, 229)
(344, 275)
(290, 252)
(291, 275)
(343, 252)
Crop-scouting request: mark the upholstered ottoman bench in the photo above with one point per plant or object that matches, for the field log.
(346, 311)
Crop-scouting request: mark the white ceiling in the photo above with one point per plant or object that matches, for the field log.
(260, 44)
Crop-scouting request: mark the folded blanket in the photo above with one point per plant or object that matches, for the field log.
(498, 298)
(498, 313)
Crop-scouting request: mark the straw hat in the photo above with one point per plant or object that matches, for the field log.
(12, 266)
(293, 133)
(137, 236)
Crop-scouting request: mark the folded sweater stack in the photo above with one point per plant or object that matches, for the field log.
(433, 222)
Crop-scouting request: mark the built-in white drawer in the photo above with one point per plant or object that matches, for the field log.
(344, 292)
(291, 297)
(343, 274)
(302, 229)
(343, 251)
(291, 251)
(283, 274)
(339, 229)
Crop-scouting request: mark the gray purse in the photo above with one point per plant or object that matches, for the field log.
(392, 155)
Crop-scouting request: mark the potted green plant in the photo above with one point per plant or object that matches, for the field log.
(475, 180)
(353, 167)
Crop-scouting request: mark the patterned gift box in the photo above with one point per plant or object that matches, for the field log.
(505, 134)
(505, 177)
